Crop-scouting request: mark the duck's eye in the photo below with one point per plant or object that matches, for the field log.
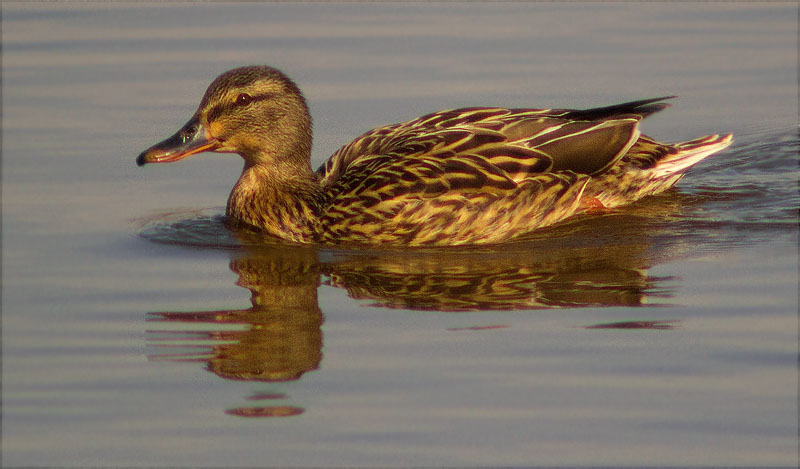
(243, 99)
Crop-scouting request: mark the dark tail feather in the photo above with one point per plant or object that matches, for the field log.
(641, 108)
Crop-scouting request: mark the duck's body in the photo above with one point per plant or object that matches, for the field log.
(466, 176)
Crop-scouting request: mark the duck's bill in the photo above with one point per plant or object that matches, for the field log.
(191, 139)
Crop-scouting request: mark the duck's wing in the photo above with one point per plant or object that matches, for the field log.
(517, 141)
(445, 177)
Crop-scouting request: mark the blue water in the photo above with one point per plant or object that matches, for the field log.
(138, 330)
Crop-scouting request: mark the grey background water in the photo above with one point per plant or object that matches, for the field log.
(137, 331)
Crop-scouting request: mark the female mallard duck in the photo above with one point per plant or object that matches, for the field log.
(472, 175)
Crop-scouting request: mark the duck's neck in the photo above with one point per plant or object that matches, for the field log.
(286, 205)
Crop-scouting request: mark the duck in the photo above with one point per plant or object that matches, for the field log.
(476, 175)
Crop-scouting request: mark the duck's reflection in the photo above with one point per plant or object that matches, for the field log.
(280, 337)
(601, 261)
(520, 279)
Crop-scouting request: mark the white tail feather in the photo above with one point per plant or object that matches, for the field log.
(689, 153)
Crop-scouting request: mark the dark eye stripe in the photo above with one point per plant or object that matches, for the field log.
(220, 109)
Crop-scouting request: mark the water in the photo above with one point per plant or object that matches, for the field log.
(138, 330)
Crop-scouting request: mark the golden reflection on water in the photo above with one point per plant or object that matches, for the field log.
(598, 261)
(570, 277)
(281, 338)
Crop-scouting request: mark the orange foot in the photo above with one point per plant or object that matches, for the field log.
(593, 205)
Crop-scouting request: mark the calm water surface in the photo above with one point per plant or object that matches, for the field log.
(138, 330)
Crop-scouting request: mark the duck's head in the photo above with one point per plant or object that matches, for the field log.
(256, 111)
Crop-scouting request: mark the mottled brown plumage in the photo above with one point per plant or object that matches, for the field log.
(464, 176)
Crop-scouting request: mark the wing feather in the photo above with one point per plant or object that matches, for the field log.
(445, 173)
(538, 140)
